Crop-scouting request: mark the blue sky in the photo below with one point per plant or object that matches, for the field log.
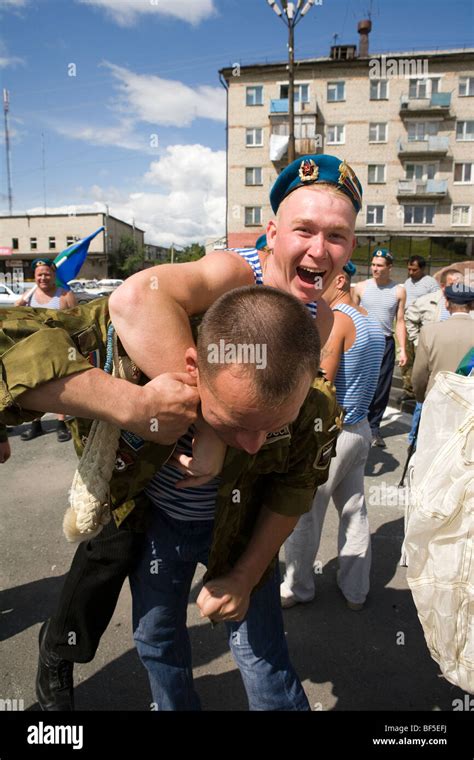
(145, 110)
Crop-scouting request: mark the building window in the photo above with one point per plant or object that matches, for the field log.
(336, 134)
(418, 214)
(420, 172)
(253, 175)
(375, 215)
(465, 130)
(460, 216)
(33, 244)
(376, 174)
(254, 137)
(423, 88)
(52, 243)
(69, 240)
(254, 96)
(253, 216)
(301, 93)
(305, 127)
(463, 173)
(336, 91)
(378, 132)
(15, 244)
(466, 87)
(378, 89)
(421, 130)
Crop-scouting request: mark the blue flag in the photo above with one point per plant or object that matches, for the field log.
(69, 262)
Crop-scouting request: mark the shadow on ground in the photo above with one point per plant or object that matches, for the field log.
(376, 659)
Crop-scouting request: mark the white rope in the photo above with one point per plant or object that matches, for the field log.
(89, 497)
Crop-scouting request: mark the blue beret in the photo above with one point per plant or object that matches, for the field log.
(384, 253)
(308, 170)
(350, 268)
(459, 293)
(42, 262)
(261, 242)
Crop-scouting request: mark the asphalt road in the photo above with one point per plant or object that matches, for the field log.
(372, 660)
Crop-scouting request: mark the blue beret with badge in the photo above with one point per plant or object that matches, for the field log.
(261, 242)
(42, 263)
(384, 253)
(311, 169)
(459, 293)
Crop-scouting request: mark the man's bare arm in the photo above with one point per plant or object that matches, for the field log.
(160, 411)
(228, 597)
(400, 327)
(150, 310)
(334, 348)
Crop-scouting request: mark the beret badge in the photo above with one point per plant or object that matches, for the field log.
(308, 171)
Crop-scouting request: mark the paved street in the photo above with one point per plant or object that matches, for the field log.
(370, 660)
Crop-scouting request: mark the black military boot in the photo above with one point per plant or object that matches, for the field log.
(54, 683)
(33, 432)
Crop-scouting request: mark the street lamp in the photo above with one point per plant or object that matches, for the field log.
(291, 14)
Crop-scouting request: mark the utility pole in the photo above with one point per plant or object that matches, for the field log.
(6, 108)
(291, 14)
(43, 165)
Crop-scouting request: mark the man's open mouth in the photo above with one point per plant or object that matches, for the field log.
(311, 275)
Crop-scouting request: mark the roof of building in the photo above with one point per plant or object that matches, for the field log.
(467, 52)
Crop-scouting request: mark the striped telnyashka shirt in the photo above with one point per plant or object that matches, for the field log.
(359, 368)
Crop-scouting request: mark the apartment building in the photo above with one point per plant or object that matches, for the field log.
(25, 238)
(404, 121)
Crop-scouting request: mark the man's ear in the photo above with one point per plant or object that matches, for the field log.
(271, 232)
(191, 362)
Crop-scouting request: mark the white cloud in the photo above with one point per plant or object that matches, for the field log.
(121, 135)
(126, 12)
(5, 58)
(168, 102)
(192, 210)
(12, 4)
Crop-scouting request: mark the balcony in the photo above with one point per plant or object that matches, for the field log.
(438, 104)
(430, 188)
(303, 146)
(280, 106)
(432, 146)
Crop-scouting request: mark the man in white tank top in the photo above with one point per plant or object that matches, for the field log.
(46, 295)
(385, 302)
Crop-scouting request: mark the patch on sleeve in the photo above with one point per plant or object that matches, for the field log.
(324, 455)
(94, 358)
(279, 435)
(134, 441)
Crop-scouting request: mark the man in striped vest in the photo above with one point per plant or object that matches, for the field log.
(351, 360)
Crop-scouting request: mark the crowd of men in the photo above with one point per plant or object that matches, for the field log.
(247, 455)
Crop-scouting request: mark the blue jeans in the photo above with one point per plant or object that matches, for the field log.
(414, 423)
(160, 585)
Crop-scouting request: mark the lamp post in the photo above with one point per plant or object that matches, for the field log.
(291, 14)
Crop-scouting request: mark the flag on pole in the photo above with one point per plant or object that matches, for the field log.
(69, 262)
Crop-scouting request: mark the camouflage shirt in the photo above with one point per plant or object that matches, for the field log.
(38, 345)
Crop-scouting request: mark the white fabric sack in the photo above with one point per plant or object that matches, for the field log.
(439, 541)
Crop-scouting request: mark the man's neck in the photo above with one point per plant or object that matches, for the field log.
(381, 282)
(342, 298)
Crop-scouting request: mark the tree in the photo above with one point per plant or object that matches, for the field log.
(192, 252)
(127, 259)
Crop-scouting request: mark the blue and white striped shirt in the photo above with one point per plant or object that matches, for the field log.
(359, 368)
(381, 302)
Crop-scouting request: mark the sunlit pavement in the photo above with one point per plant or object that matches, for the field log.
(375, 659)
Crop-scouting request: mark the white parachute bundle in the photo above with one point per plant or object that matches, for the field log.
(439, 542)
(89, 497)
